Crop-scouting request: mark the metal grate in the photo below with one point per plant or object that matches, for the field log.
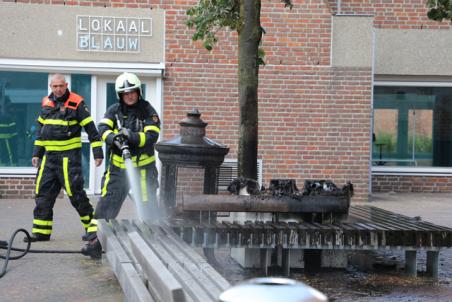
(228, 171)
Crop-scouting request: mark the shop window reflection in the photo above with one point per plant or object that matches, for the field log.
(20, 101)
(412, 126)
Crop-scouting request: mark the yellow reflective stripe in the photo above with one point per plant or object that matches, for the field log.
(86, 220)
(144, 188)
(96, 144)
(152, 128)
(86, 121)
(64, 148)
(146, 161)
(41, 169)
(57, 122)
(106, 133)
(44, 232)
(63, 145)
(93, 226)
(107, 179)
(62, 142)
(143, 157)
(118, 164)
(43, 222)
(107, 122)
(66, 176)
(118, 161)
(142, 139)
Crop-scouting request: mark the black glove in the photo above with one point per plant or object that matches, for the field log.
(125, 132)
(118, 141)
(131, 137)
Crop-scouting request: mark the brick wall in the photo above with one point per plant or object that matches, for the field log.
(314, 120)
(405, 183)
(17, 187)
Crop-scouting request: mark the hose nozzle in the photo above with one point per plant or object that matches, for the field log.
(126, 152)
(124, 147)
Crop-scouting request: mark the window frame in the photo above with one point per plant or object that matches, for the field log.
(407, 170)
(93, 68)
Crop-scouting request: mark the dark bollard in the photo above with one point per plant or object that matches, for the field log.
(272, 290)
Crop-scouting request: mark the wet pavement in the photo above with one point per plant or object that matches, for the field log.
(73, 277)
(55, 277)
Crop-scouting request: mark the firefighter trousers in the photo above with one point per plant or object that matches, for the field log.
(59, 170)
(115, 187)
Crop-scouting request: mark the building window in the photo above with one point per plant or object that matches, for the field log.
(81, 84)
(21, 94)
(20, 101)
(412, 126)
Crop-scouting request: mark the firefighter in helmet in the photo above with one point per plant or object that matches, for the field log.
(58, 155)
(132, 124)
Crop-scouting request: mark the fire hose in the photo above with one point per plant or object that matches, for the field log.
(8, 246)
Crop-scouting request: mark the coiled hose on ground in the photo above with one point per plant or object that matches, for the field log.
(8, 246)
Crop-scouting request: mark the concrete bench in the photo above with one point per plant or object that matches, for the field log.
(153, 264)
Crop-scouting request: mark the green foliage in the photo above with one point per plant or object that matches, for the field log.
(388, 140)
(209, 16)
(439, 10)
(423, 144)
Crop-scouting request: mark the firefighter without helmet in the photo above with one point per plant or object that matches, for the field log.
(127, 82)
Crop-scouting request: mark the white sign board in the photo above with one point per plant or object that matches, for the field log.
(111, 34)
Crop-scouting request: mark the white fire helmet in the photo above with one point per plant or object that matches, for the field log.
(127, 82)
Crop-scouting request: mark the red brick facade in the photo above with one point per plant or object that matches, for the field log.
(404, 183)
(314, 120)
(16, 187)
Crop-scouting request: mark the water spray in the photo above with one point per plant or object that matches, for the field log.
(131, 173)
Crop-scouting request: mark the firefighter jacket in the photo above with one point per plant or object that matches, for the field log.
(144, 125)
(60, 125)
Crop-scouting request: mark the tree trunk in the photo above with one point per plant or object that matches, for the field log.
(250, 34)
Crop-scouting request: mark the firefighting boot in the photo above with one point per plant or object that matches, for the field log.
(85, 237)
(37, 237)
(93, 249)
